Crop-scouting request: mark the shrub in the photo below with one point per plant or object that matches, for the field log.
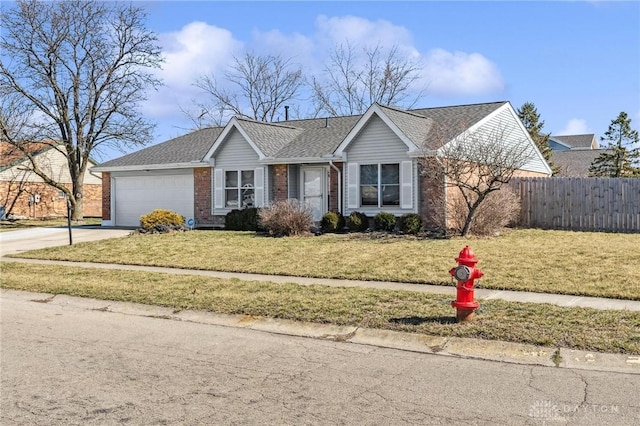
(499, 209)
(242, 220)
(410, 223)
(285, 218)
(357, 222)
(161, 221)
(332, 222)
(385, 221)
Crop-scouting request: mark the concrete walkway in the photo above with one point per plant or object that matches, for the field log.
(481, 294)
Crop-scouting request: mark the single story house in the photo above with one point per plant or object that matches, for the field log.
(368, 163)
(25, 194)
(573, 154)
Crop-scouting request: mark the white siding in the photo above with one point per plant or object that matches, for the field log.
(377, 143)
(54, 164)
(235, 153)
(504, 122)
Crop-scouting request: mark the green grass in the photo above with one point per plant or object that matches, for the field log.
(578, 263)
(539, 324)
(14, 225)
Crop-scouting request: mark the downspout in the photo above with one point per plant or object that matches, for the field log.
(333, 166)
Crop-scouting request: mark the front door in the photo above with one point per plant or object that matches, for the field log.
(314, 190)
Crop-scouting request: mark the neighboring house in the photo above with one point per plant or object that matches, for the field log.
(368, 163)
(573, 154)
(566, 142)
(24, 194)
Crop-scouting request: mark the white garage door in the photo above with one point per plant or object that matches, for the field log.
(138, 195)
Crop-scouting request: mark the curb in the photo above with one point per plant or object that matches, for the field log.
(490, 350)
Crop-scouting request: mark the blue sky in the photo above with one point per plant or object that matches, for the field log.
(578, 62)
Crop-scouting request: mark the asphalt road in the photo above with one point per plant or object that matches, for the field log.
(36, 238)
(64, 364)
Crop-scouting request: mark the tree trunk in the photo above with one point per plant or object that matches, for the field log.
(472, 212)
(467, 221)
(77, 202)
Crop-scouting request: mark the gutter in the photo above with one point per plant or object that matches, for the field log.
(145, 167)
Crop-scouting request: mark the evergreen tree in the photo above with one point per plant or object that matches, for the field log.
(622, 155)
(529, 116)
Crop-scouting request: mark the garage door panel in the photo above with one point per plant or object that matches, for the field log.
(138, 195)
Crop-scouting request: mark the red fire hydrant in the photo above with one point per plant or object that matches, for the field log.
(465, 273)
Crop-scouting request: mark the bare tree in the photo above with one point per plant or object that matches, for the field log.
(75, 73)
(260, 87)
(478, 163)
(353, 81)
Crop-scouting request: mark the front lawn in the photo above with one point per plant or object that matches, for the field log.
(579, 263)
(539, 324)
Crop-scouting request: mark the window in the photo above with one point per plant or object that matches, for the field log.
(239, 189)
(380, 185)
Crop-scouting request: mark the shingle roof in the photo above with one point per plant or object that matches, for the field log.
(312, 138)
(321, 136)
(415, 126)
(269, 137)
(575, 162)
(10, 155)
(578, 141)
(452, 120)
(183, 149)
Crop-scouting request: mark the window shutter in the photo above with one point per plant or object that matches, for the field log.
(353, 182)
(406, 184)
(258, 183)
(218, 188)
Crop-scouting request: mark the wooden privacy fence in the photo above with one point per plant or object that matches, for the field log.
(579, 204)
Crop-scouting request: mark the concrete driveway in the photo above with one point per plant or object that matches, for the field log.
(30, 239)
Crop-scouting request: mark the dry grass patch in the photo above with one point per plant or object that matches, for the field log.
(579, 328)
(579, 263)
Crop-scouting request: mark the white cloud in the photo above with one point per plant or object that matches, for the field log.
(461, 73)
(360, 31)
(196, 49)
(199, 48)
(575, 126)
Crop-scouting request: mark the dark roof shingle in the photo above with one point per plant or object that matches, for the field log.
(312, 138)
(183, 149)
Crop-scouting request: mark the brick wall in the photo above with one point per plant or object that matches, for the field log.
(202, 195)
(51, 203)
(333, 187)
(106, 196)
(280, 184)
(431, 187)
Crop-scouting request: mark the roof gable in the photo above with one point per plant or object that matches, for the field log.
(234, 124)
(376, 109)
(505, 119)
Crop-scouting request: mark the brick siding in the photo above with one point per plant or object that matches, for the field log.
(106, 196)
(280, 184)
(431, 189)
(51, 204)
(333, 187)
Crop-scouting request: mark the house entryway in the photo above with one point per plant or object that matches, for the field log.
(314, 190)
